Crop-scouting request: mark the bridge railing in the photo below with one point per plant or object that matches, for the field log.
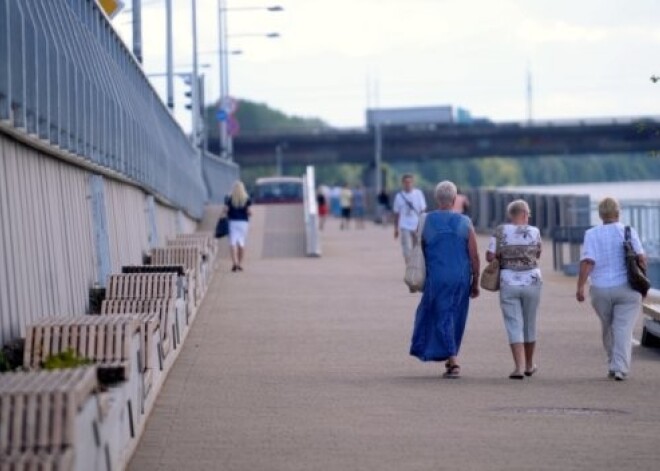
(69, 85)
(219, 175)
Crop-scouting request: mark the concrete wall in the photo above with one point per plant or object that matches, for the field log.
(48, 247)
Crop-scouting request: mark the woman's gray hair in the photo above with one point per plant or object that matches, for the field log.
(608, 209)
(445, 193)
(517, 207)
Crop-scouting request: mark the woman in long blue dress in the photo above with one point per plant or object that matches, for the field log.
(452, 278)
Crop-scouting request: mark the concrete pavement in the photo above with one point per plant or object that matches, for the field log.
(302, 364)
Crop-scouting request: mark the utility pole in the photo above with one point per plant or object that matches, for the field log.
(222, 65)
(170, 55)
(378, 157)
(530, 115)
(137, 30)
(195, 81)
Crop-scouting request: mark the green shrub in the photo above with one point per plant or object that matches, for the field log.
(65, 359)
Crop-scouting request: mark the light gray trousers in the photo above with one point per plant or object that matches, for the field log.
(519, 308)
(617, 308)
(408, 238)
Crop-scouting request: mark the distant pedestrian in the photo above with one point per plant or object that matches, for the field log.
(461, 204)
(335, 204)
(322, 204)
(452, 278)
(409, 204)
(345, 201)
(237, 210)
(518, 247)
(383, 208)
(359, 205)
(615, 302)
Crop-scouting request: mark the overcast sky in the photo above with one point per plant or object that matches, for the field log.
(588, 58)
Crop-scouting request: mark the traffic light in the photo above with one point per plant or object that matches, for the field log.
(187, 79)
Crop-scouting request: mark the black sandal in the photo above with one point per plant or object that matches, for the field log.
(453, 371)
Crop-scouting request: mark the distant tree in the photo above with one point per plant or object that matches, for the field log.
(256, 117)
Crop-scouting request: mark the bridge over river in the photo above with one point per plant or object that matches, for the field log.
(597, 137)
(302, 364)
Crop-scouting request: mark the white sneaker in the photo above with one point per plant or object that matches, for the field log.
(619, 376)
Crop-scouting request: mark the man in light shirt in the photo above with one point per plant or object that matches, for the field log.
(408, 205)
(345, 200)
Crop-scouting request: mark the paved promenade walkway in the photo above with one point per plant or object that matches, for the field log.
(302, 364)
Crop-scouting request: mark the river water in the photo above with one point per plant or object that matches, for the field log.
(625, 192)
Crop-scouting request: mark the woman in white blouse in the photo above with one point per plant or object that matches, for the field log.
(518, 246)
(615, 302)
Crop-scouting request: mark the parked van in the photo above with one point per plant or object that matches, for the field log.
(270, 190)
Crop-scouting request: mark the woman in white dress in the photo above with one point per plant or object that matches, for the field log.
(237, 210)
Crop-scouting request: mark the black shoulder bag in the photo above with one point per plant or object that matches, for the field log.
(636, 275)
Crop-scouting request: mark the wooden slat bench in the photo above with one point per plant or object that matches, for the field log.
(202, 244)
(56, 460)
(165, 289)
(142, 286)
(114, 343)
(206, 240)
(47, 418)
(106, 340)
(133, 269)
(190, 258)
(153, 352)
(207, 237)
(164, 311)
(185, 283)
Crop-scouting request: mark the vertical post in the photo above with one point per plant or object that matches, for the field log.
(195, 80)
(278, 160)
(202, 100)
(153, 226)
(378, 157)
(170, 56)
(179, 222)
(100, 224)
(223, 78)
(530, 116)
(229, 140)
(137, 30)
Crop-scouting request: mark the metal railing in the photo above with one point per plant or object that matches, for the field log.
(219, 176)
(69, 84)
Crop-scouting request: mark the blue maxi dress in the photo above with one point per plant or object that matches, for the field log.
(442, 312)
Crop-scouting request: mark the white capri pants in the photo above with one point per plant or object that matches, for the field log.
(238, 233)
(617, 308)
(519, 308)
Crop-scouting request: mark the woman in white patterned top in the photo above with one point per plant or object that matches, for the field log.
(615, 302)
(518, 246)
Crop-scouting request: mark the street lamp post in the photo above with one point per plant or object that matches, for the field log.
(137, 30)
(195, 81)
(226, 144)
(222, 63)
(170, 55)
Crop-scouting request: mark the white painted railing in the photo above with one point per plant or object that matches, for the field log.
(312, 236)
